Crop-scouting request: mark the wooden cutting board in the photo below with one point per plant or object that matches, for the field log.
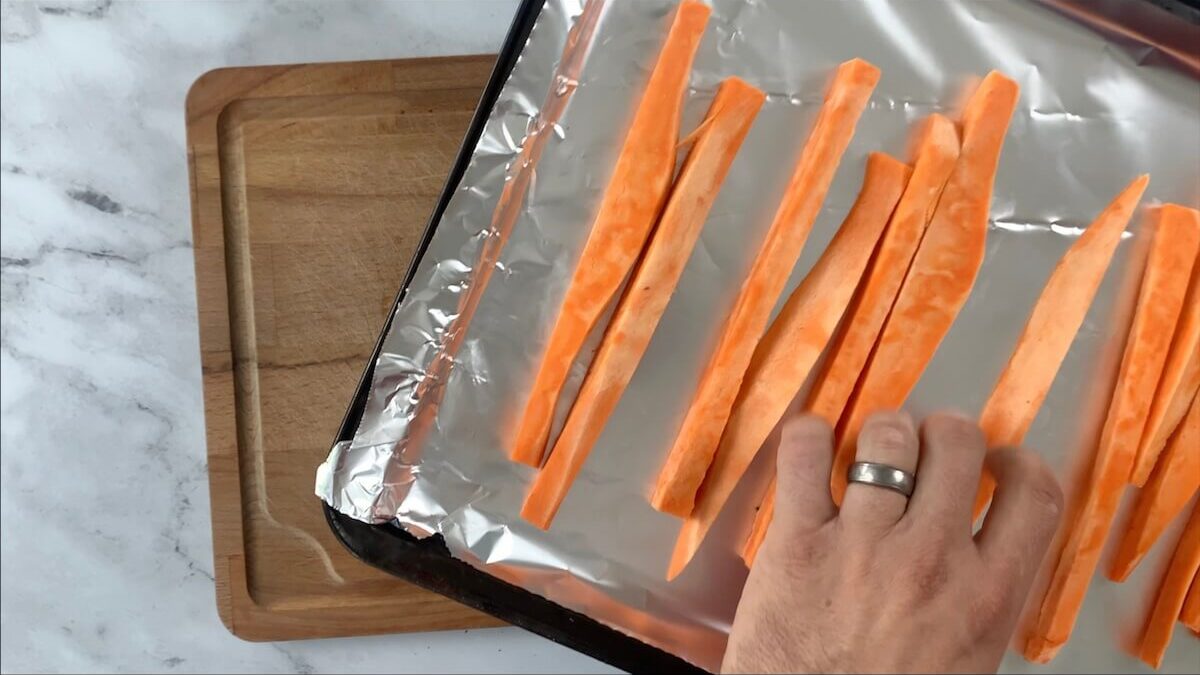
(310, 187)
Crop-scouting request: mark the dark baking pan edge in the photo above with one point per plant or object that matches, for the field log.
(428, 564)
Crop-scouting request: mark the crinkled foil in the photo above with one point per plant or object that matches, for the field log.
(456, 365)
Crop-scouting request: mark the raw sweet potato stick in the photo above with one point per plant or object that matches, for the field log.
(628, 334)
(934, 157)
(1172, 483)
(630, 206)
(1180, 378)
(787, 352)
(692, 452)
(1160, 297)
(762, 521)
(1190, 614)
(942, 272)
(1172, 593)
(1050, 330)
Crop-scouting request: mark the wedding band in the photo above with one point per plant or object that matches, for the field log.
(882, 475)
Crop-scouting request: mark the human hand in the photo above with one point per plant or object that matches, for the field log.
(889, 583)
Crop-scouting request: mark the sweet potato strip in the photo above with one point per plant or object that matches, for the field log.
(693, 449)
(943, 270)
(787, 352)
(1173, 482)
(646, 297)
(762, 521)
(630, 206)
(1056, 318)
(1160, 298)
(1172, 593)
(1181, 374)
(1190, 614)
(935, 154)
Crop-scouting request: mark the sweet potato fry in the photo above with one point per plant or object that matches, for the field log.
(704, 422)
(628, 335)
(630, 207)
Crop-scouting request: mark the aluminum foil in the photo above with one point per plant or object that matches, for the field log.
(456, 366)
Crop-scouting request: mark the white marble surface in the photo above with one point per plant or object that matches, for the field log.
(107, 559)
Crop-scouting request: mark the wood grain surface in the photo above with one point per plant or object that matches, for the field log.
(310, 187)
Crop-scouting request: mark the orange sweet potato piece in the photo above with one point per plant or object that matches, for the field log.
(1160, 299)
(1190, 614)
(1172, 483)
(934, 158)
(942, 273)
(1181, 374)
(1172, 594)
(631, 204)
(1060, 310)
(792, 345)
(704, 422)
(628, 335)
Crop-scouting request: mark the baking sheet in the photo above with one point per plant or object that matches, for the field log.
(1091, 116)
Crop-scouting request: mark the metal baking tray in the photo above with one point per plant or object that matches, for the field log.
(427, 562)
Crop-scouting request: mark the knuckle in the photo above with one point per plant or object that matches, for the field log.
(988, 604)
(888, 433)
(805, 430)
(940, 539)
(929, 571)
(804, 553)
(992, 600)
(859, 563)
(1048, 498)
(933, 553)
(1008, 569)
(931, 540)
(954, 430)
(1044, 493)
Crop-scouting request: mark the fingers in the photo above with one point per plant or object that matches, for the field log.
(802, 498)
(952, 451)
(888, 438)
(1024, 515)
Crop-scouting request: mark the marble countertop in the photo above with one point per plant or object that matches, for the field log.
(107, 558)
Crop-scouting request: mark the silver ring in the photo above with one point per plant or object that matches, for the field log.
(882, 475)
